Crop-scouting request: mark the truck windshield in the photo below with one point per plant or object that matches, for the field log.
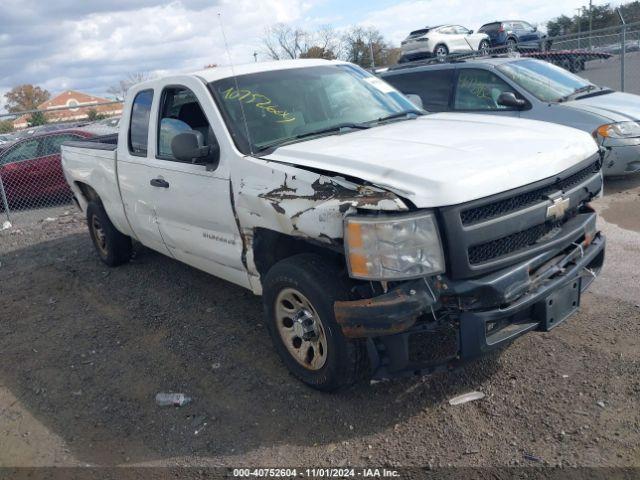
(269, 108)
(545, 81)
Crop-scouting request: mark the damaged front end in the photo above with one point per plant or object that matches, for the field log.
(515, 262)
(434, 324)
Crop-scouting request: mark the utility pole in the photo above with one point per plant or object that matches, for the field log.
(579, 10)
(590, 20)
(373, 62)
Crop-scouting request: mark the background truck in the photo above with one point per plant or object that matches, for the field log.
(383, 240)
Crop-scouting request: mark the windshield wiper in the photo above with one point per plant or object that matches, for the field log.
(408, 115)
(578, 91)
(323, 131)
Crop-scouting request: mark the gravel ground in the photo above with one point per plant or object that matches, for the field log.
(84, 349)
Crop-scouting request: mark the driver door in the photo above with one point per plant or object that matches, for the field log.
(193, 201)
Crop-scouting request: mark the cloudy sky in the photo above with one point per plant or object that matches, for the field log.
(90, 45)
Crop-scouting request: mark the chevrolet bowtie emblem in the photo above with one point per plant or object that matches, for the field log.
(559, 208)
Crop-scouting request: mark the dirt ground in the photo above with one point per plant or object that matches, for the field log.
(84, 349)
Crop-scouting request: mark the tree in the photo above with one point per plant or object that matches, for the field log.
(318, 52)
(25, 97)
(284, 42)
(361, 43)
(6, 126)
(37, 118)
(119, 91)
(94, 116)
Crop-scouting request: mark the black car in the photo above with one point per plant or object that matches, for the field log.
(514, 34)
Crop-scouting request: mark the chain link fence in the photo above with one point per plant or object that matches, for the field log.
(33, 188)
(608, 57)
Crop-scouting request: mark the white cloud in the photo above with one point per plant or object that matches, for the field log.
(96, 47)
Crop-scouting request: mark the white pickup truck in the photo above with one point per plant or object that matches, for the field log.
(383, 239)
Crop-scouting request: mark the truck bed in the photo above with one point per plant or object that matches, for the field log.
(103, 142)
(92, 163)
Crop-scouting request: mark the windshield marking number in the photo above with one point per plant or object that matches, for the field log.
(250, 98)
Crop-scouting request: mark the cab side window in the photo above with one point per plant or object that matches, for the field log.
(479, 90)
(139, 127)
(180, 112)
(433, 87)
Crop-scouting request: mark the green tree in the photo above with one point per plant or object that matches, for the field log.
(93, 115)
(25, 97)
(6, 126)
(37, 118)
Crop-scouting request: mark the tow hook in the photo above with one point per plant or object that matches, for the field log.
(304, 325)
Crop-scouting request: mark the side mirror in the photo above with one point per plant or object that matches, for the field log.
(535, 28)
(190, 147)
(470, 32)
(509, 99)
(416, 100)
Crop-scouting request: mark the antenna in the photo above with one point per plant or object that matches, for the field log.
(235, 80)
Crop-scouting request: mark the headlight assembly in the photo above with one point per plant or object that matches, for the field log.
(394, 247)
(620, 130)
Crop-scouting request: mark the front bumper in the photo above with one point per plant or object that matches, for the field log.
(391, 322)
(621, 160)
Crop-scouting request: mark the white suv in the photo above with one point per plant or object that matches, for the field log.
(442, 41)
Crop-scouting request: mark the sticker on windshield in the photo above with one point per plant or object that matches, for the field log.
(381, 85)
(258, 101)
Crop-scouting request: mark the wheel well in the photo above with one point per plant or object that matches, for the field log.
(270, 247)
(441, 44)
(89, 194)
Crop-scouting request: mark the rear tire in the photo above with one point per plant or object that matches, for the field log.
(484, 47)
(512, 45)
(441, 52)
(305, 287)
(112, 247)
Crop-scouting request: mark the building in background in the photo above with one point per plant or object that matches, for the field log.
(80, 105)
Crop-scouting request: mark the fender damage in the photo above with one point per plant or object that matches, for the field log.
(300, 203)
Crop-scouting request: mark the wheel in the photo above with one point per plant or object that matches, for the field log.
(441, 52)
(512, 44)
(484, 47)
(298, 296)
(113, 247)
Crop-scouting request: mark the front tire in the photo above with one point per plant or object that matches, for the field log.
(512, 45)
(298, 295)
(112, 247)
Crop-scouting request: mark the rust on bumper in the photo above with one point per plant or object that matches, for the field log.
(387, 314)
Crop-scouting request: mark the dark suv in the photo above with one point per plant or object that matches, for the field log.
(515, 34)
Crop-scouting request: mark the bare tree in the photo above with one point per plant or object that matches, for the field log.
(285, 42)
(325, 43)
(119, 91)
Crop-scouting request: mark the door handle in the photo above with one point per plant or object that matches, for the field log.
(159, 182)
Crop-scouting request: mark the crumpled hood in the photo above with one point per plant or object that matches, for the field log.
(617, 106)
(446, 158)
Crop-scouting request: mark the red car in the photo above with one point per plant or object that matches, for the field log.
(31, 172)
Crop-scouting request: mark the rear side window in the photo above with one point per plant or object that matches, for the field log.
(24, 151)
(51, 144)
(491, 27)
(139, 127)
(433, 87)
